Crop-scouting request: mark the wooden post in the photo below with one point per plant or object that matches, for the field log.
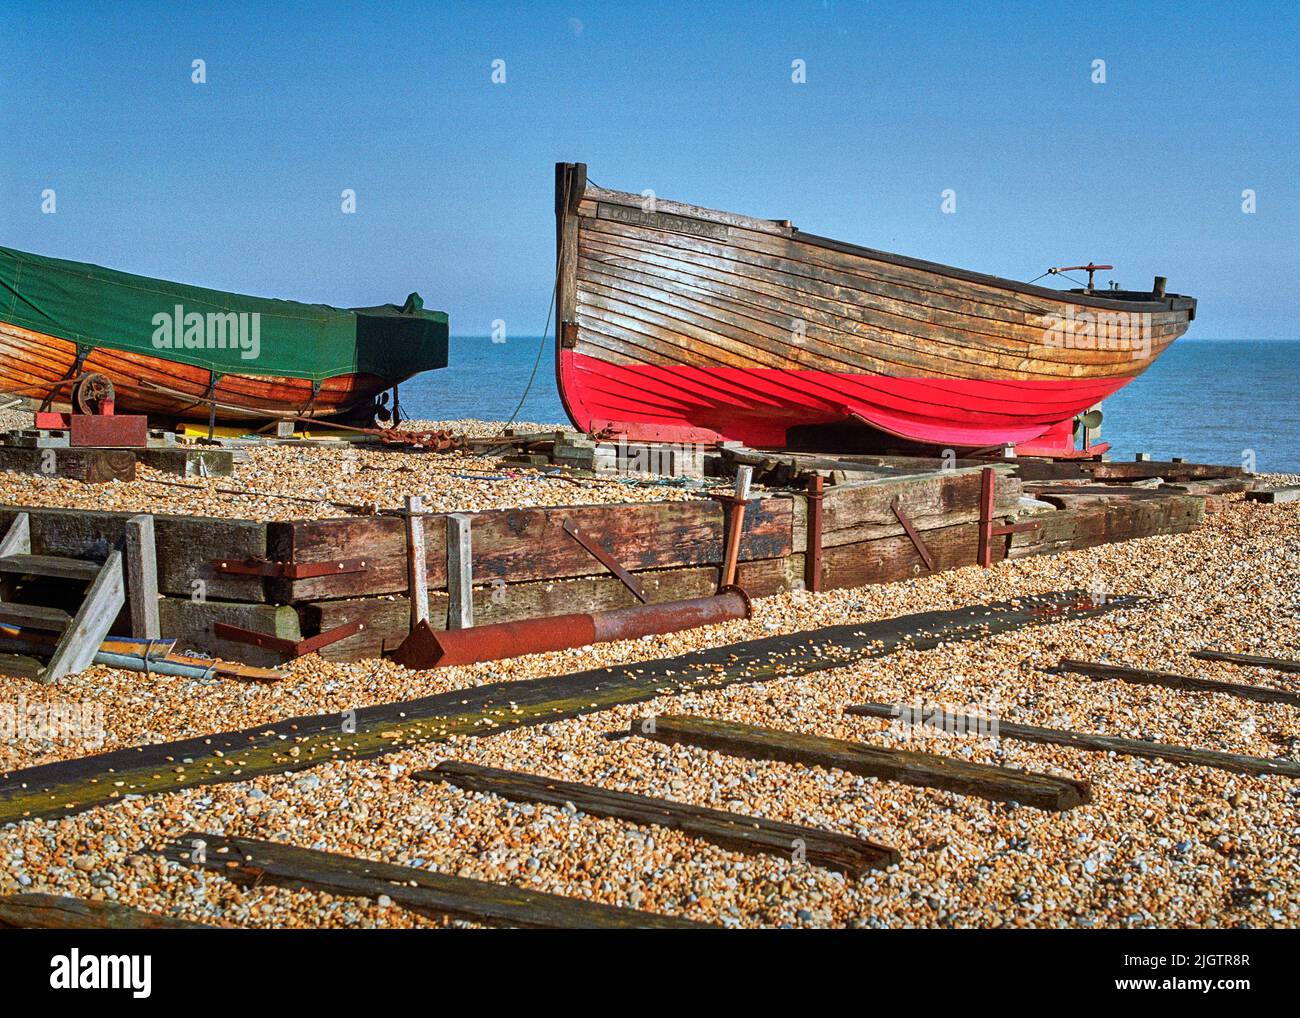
(735, 525)
(142, 577)
(984, 554)
(417, 576)
(812, 562)
(460, 573)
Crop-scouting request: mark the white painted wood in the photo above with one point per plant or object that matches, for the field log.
(142, 577)
(18, 538)
(80, 642)
(460, 572)
(744, 477)
(417, 575)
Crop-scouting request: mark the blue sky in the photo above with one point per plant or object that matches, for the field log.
(236, 183)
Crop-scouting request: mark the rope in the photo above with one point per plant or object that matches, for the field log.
(1057, 272)
(541, 347)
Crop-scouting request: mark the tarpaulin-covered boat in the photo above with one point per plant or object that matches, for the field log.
(184, 351)
(680, 323)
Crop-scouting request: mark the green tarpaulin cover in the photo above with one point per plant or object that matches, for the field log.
(225, 332)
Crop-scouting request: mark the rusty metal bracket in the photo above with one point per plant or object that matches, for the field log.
(988, 531)
(812, 563)
(258, 566)
(607, 560)
(921, 548)
(294, 648)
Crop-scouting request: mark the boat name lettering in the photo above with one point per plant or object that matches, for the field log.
(663, 221)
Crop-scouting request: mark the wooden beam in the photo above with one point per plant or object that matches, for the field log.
(1143, 676)
(460, 572)
(53, 912)
(417, 583)
(80, 642)
(923, 769)
(1276, 663)
(1284, 493)
(142, 577)
(69, 786)
(999, 729)
(17, 539)
(439, 895)
(853, 856)
(94, 466)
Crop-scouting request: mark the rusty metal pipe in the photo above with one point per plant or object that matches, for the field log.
(430, 648)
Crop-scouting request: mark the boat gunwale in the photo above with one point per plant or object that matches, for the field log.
(663, 206)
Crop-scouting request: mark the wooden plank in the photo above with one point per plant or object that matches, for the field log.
(888, 559)
(1276, 663)
(54, 912)
(80, 642)
(1142, 676)
(417, 587)
(50, 565)
(999, 729)
(17, 539)
(1087, 526)
(142, 577)
(191, 624)
(1172, 471)
(460, 572)
(22, 666)
(853, 856)
(69, 786)
(37, 615)
(440, 895)
(94, 466)
(186, 546)
(863, 511)
(518, 545)
(926, 770)
(1283, 493)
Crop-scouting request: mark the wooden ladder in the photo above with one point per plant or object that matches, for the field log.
(80, 633)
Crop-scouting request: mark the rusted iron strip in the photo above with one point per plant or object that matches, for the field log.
(921, 548)
(987, 529)
(294, 648)
(607, 560)
(812, 563)
(258, 566)
(70, 786)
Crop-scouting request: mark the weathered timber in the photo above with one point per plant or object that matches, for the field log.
(1090, 741)
(927, 770)
(1086, 526)
(187, 462)
(185, 547)
(1053, 470)
(853, 856)
(1284, 493)
(79, 644)
(94, 466)
(53, 912)
(417, 587)
(15, 536)
(69, 786)
(142, 576)
(887, 559)
(192, 623)
(863, 511)
(1142, 676)
(1276, 663)
(517, 545)
(439, 895)
(460, 571)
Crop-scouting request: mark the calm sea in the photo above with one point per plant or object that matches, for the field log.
(1208, 400)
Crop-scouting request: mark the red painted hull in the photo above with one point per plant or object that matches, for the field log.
(757, 406)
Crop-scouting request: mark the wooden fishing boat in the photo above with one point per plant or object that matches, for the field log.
(179, 351)
(680, 323)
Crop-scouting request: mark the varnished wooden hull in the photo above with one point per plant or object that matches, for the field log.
(682, 323)
(32, 365)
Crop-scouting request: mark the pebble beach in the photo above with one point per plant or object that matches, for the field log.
(1159, 845)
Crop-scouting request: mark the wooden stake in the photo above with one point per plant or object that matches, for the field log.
(142, 577)
(416, 566)
(1190, 682)
(460, 573)
(998, 729)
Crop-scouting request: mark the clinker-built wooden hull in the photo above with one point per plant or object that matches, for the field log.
(37, 367)
(680, 323)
